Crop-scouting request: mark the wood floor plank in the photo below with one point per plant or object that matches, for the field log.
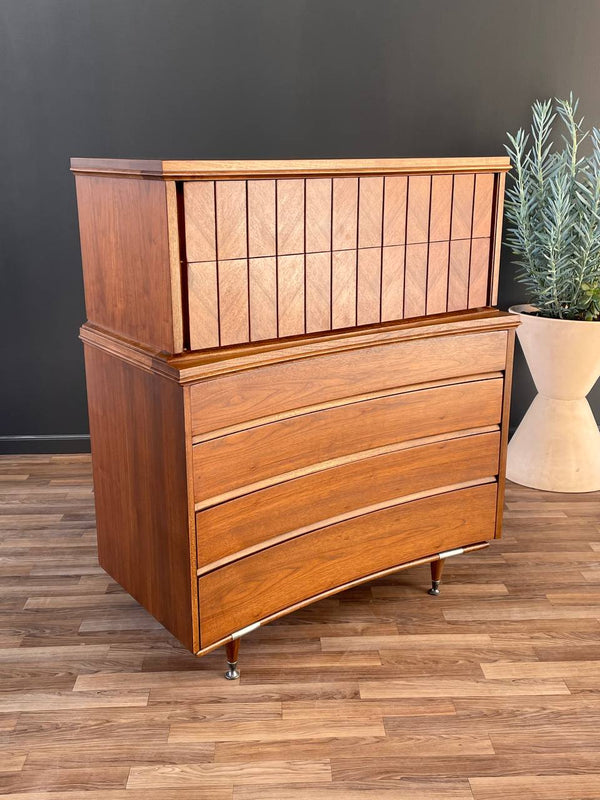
(543, 669)
(27, 780)
(405, 642)
(435, 687)
(274, 730)
(273, 772)
(42, 701)
(537, 787)
(404, 790)
(361, 709)
(197, 793)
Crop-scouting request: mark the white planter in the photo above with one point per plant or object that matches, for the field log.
(557, 445)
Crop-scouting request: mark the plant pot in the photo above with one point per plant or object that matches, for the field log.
(557, 445)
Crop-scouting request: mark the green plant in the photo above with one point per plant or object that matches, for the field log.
(553, 213)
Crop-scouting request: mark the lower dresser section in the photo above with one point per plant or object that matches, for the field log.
(234, 487)
(278, 577)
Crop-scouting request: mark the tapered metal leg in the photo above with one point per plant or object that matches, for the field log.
(436, 576)
(232, 650)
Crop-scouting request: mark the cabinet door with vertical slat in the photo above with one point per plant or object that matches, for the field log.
(339, 251)
(343, 289)
(345, 213)
(233, 301)
(370, 212)
(290, 216)
(318, 214)
(318, 292)
(368, 290)
(261, 218)
(290, 288)
(262, 275)
(231, 219)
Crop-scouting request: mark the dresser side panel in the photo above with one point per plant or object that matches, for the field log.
(124, 231)
(139, 466)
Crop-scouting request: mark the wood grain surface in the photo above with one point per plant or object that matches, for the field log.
(247, 590)
(268, 390)
(275, 450)
(356, 225)
(100, 702)
(124, 232)
(170, 169)
(307, 502)
(138, 440)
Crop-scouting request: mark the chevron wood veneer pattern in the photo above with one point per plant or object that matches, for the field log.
(348, 251)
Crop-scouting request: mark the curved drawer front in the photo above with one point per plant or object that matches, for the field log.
(297, 506)
(274, 579)
(262, 392)
(240, 462)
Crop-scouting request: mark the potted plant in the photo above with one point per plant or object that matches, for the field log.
(553, 230)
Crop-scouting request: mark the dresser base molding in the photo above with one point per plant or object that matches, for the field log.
(437, 561)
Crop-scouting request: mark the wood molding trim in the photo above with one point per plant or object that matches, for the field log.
(191, 367)
(228, 169)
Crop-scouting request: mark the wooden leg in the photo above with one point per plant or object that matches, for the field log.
(436, 576)
(232, 650)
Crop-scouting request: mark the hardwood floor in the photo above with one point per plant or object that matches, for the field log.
(489, 692)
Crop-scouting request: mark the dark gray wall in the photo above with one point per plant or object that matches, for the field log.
(239, 79)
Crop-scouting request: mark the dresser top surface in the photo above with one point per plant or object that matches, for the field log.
(223, 169)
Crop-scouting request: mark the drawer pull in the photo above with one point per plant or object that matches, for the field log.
(448, 553)
(244, 631)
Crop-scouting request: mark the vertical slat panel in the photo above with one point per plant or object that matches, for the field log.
(343, 297)
(441, 207)
(261, 218)
(318, 215)
(345, 207)
(370, 211)
(263, 298)
(231, 219)
(483, 204)
(369, 286)
(203, 305)
(290, 216)
(233, 301)
(415, 280)
(479, 273)
(417, 224)
(458, 279)
(392, 283)
(290, 270)
(462, 206)
(318, 291)
(394, 213)
(497, 236)
(199, 202)
(437, 277)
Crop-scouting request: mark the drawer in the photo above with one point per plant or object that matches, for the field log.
(274, 579)
(262, 392)
(240, 462)
(312, 501)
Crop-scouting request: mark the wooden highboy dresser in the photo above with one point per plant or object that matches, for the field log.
(297, 380)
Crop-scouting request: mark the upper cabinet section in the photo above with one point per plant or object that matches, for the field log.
(197, 255)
